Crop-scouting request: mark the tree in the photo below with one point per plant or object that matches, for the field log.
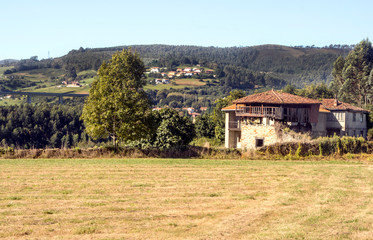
(205, 126)
(351, 75)
(117, 106)
(34, 58)
(173, 130)
(319, 91)
(289, 88)
(72, 73)
(8, 72)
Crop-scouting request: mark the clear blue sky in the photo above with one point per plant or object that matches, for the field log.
(32, 28)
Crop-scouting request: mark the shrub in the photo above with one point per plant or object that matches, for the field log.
(298, 153)
(370, 134)
(170, 130)
(212, 142)
(328, 146)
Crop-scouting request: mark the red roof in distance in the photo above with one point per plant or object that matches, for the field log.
(333, 104)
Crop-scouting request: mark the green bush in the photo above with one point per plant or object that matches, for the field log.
(170, 131)
(370, 134)
(331, 145)
(298, 153)
(201, 142)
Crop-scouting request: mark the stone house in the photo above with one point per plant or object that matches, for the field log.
(336, 117)
(260, 119)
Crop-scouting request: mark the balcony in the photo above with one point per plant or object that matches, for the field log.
(259, 111)
(234, 125)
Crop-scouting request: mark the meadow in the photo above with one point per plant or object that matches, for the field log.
(178, 83)
(185, 199)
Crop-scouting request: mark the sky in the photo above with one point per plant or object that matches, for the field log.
(54, 27)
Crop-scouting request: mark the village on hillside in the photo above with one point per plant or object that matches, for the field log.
(162, 76)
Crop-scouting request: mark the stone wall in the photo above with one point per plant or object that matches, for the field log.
(251, 132)
(270, 134)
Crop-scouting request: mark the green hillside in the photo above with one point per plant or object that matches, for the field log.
(297, 65)
(246, 68)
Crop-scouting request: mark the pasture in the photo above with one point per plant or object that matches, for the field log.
(190, 82)
(3, 69)
(185, 199)
(178, 83)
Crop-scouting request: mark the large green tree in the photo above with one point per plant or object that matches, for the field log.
(351, 81)
(117, 106)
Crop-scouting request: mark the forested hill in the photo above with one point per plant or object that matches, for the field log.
(247, 68)
(237, 67)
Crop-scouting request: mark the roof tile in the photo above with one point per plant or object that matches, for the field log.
(231, 107)
(330, 105)
(275, 97)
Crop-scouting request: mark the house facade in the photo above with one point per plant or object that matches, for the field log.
(342, 119)
(259, 119)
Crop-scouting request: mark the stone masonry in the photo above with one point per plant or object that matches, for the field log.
(249, 134)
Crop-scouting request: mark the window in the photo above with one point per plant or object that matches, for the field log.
(361, 117)
(259, 142)
(354, 117)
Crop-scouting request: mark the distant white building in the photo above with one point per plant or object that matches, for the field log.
(165, 81)
(154, 70)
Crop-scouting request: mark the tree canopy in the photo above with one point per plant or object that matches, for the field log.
(173, 130)
(43, 125)
(117, 106)
(352, 76)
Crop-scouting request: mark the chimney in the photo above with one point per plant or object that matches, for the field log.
(336, 102)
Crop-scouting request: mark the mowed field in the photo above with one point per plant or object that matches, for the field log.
(185, 199)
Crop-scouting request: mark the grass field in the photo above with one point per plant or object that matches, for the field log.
(185, 199)
(40, 75)
(165, 86)
(58, 89)
(189, 81)
(179, 83)
(3, 69)
(10, 101)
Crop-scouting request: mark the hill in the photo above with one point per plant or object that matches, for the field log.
(8, 61)
(246, 68)
(238, 67)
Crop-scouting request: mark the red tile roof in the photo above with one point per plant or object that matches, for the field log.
(231, 107)
(275, 97)
(323, 109)
(330, 105)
